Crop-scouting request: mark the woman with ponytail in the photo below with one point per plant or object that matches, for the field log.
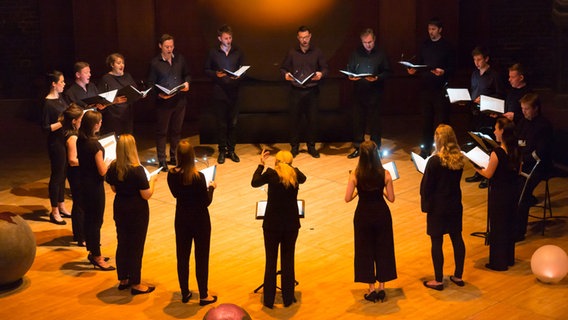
(281, 222)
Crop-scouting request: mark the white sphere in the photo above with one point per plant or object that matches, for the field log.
(549, 264)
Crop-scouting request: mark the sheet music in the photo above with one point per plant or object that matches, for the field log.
(261, 208)
(458, 94)
(487, 103)
(392, 169)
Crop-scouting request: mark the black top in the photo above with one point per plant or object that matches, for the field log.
(86, 151)
(166, 75)
(436, 54)
(225, 87)
(488, 84)
(441, 197)
(512, 103)
(76, 94)
(111, 82)
(301, 64)
(192, 199)
(134, 180)
(374, 62)
(535, 135)
(52, 109)
(282, 206)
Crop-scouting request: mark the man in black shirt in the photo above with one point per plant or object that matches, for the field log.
(82, 88)
(226, 90)
(304, 63)
(169, 71)
(439, 57)
(373, 62)
(518, 89)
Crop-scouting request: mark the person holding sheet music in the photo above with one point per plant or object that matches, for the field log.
(128, 180)
(304, 63)
(225, 91)
(281, 222)
(535, 134)
(53, 108)
(367, 59)
(92, 169)
(519, 88)
(503, 174)
(169, 70)
(192, 222)
(72, 117)
(374, 241)
(441, 200)
(484, 81)
(82, 88)
(119, 117)
(438, 55)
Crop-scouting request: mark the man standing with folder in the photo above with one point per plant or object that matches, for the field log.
(370, 61)
(169, 71)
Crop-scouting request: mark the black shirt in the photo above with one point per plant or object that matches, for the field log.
(166, 75)
(374, 62)
(535, 135)
(52, 109)
(225, 87)
(76, 94)
(436, 54)
(301, 64)
(512, 103)
(488, 84)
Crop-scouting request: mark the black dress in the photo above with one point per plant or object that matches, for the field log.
(192, 223)
(92, 192)
(374, 243)
(502, 206)
(117, 118)
(131, 215)
(280, 227)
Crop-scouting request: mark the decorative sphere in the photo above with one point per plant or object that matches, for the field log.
(17, 248)
(549, 264)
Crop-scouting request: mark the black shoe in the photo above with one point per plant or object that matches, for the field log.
(64, 214)
(136, 291)
(221, 157)
(489, 266)
(438, 287)
(233, 156)
(295, 151)
(459, 283)
(353, 154)
(475, 178)
(287, 304)
(313, 152)
(206, 302)
(57, 222)
(164, 166)
(483, 184)
(185, 297)
(96, 264)
(172, 161)
(124, 286)
(381, 295)
(371, 296)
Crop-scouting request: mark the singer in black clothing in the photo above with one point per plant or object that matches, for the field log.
(281, 222)
(82, 87)
(192, 222)
(439, 57)
(300, 63)
(119, 117)
(51, 123)
(519, 88)
(367, 59)
(225, 91)
(169, 70)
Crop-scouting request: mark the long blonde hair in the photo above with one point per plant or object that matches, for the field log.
(447, 147)
(126, 155)
(283, 166)
(186, 162)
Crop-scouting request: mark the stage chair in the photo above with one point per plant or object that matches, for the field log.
(546, 205)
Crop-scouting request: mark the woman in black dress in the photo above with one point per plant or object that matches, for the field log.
(374, 242)
(503, 174)
(281, 222)
(51, 123)
(92, 171)
(441, 200)
(71, 124)
(131, 212)
(192, 222)
(118, 117)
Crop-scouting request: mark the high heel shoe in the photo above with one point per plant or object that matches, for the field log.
(57, 222)
(381, 295)
(206, 302)
(372, 296)
(185, 297)
(96, 264)
(136, 291)
(64, 214)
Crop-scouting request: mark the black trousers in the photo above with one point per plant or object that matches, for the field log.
(170, 114)
(286, 239)
(227, 113)
(131, 230)
(93, 198)
(303, 103)
(367, 114)
(435, 110)
(438, 255)
(522, 219)
(58, 161)
(186, 233)
(78, 215)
